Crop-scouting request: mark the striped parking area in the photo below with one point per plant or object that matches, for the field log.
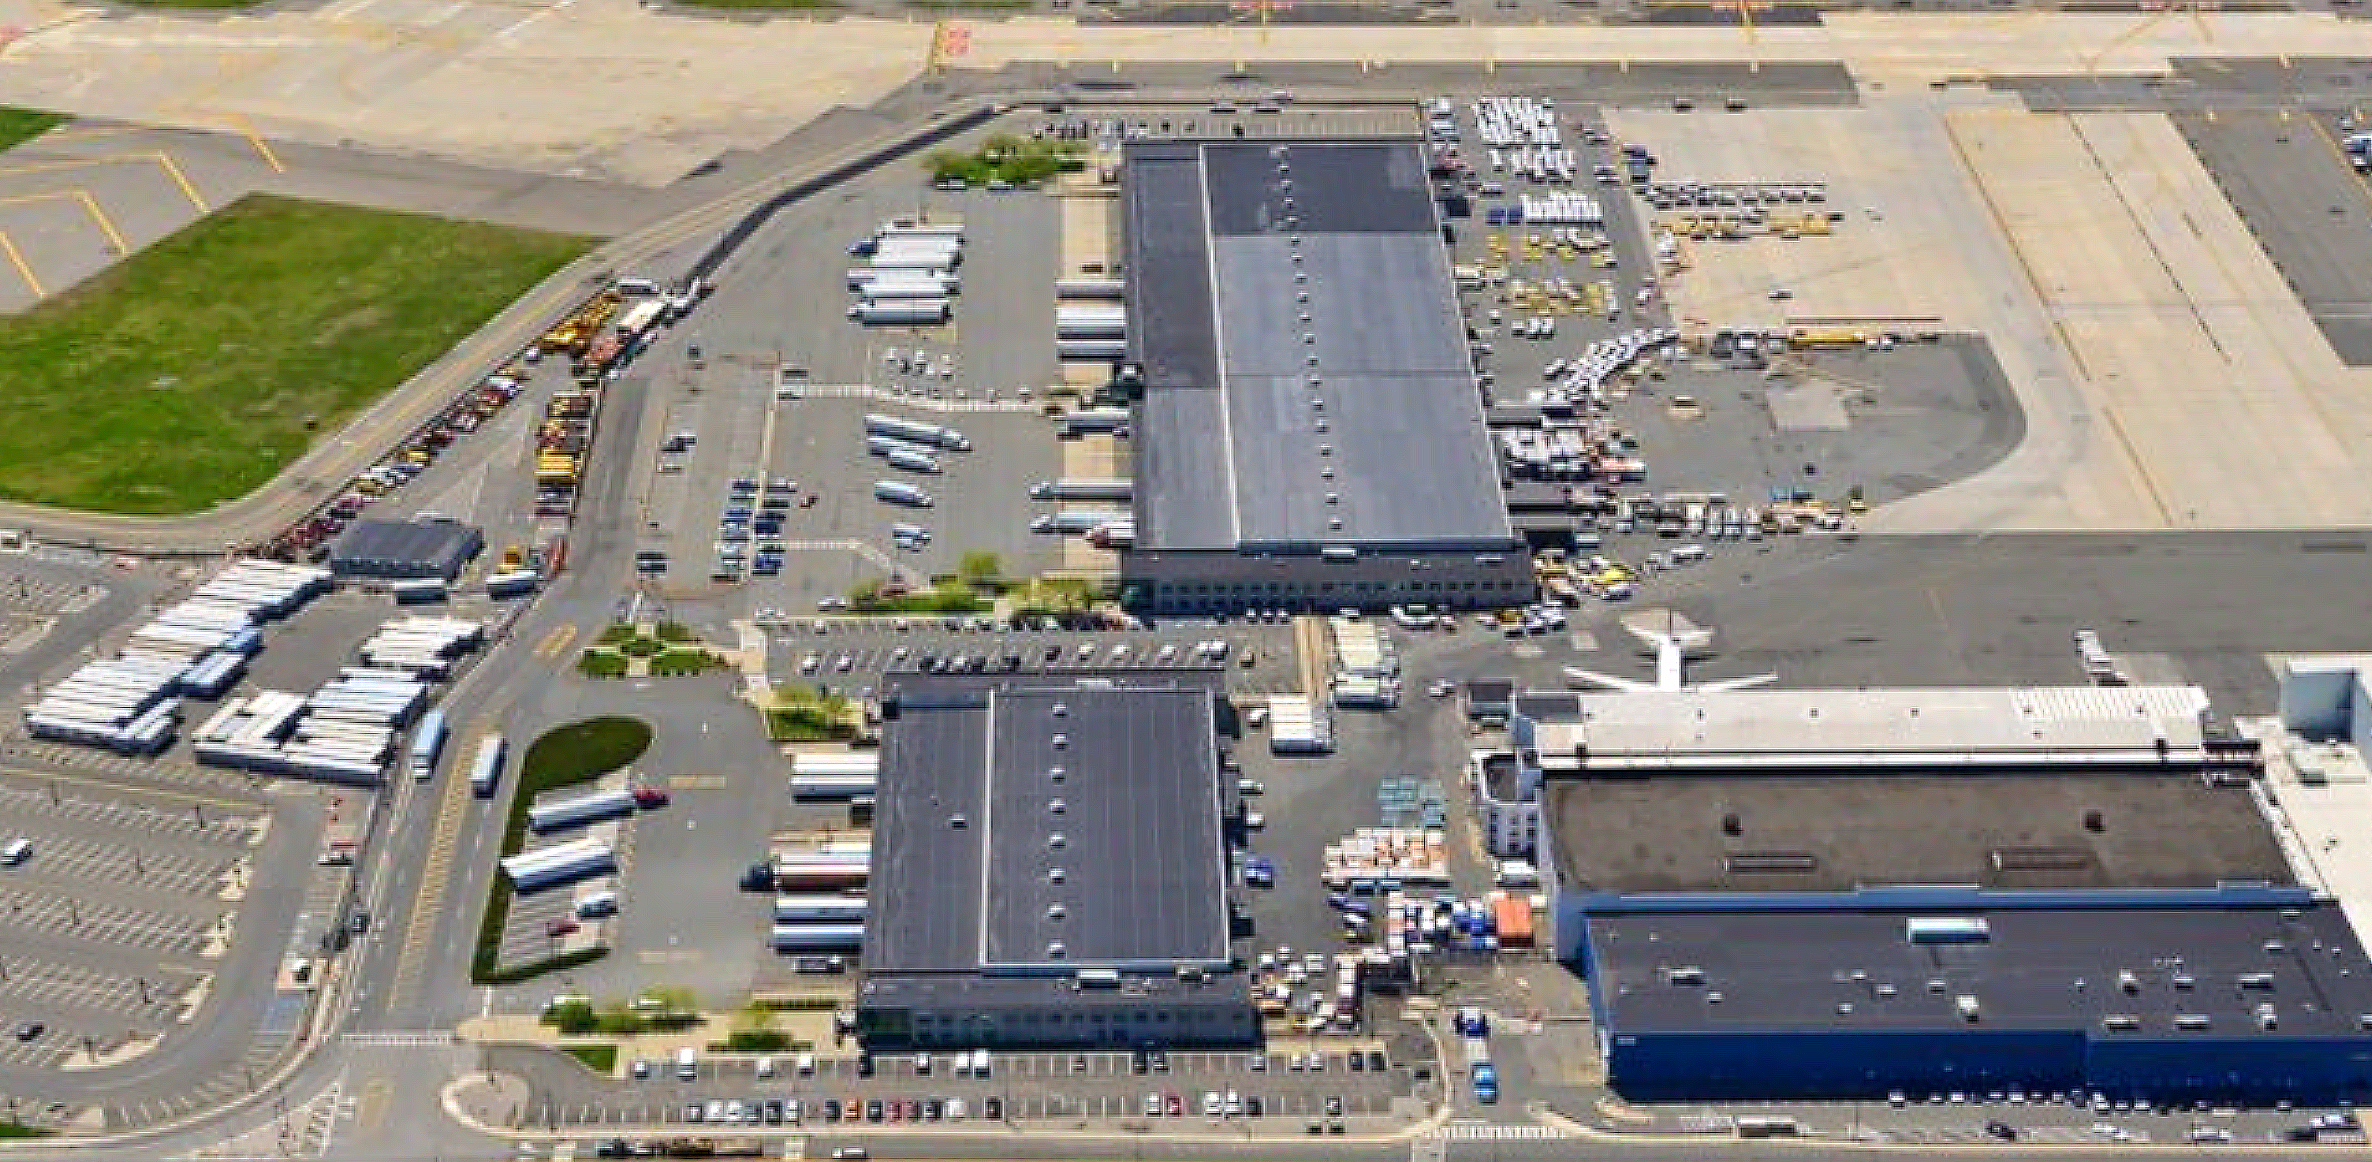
(219, 827)
(167, 933)
(1490, 1132)
(151, 870)
(42, 985)
(84, 759)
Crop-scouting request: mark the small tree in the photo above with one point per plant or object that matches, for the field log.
(574, 1019)
(618, 1019)
(980, 568)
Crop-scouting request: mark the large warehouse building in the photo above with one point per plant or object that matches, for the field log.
(1310, 435)
(1049, 865)
(1934, 891)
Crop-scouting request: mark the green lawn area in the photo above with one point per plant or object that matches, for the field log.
(18, 126)
(19, 1130)
(193, 372)
(598, 1058)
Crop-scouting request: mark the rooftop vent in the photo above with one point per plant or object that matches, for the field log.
(1056, 841)
(1966, 1005)
(2094, 822)
(1685, 974)
(1055, 773)
(2120, 1021)
(1732, 825)
(1056, 911)
(1061, 711)
(1057, 806)
(2192, 1021)
(2256, 980)
(1770, 862)
(958, 822)
(1055, 875)
(1713, 998)
(1060, 741)
(2183, 981)
(2275, 948)
(1054, 951)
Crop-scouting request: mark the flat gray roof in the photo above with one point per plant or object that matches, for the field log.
(1845, 830)
(1225, 259)
(2045, 969)
(1089, 813)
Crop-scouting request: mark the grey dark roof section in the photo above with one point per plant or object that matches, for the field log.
(2047, 969)
(1131, 821)
(1345, 411)
(1172, 314)
(1673, 833)
(401, 550)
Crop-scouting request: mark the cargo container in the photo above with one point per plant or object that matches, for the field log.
(559, 864)
(914, 462)
(892, 292)
(827, 787)
(1090, 289)
(819, 877)
(818, 937)
(901, 312)
(897, 230)
(1081, 490)
(917, 258)
(1090, 321)
(485, 771)
(428, 745)
(578, 809)
(1091, 350)
(899, 492)
(1513, 915)
(1073, 522)
(916, 431)
(1095, 420)
(819, 908)
(513, 584)
(890, 445)
(867, 763)
(418, 592)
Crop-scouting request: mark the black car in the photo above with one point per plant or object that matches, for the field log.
(2002, 1131)
(1375, 1060)
(1254, 1107)
(31, 1030)
(1136, 1062)
(1161, 1062)
(931, 1109)
(773, 1113)
(993, 1109)
(1333, 1105)
(865, 1066)
(612, 1148)
(873, 1109)
(831, 1109)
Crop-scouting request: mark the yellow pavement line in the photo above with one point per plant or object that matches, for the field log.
(370, 1105)
(115, 237)
(435, 870)
(556, 642)
(181, 179)
(247, 130)
(2141, 467)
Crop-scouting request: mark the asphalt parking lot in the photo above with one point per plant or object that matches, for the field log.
(1088, 1087)
(871, 646)
(779, 314)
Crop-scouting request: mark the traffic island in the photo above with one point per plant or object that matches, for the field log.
(579, 753)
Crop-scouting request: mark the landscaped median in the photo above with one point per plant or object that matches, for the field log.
(563, 756)
(194, 371)
(667, 650)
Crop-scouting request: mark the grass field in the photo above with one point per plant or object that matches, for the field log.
(193, 372)
(18, 126)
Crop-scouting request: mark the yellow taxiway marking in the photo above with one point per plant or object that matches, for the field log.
(696, 782)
